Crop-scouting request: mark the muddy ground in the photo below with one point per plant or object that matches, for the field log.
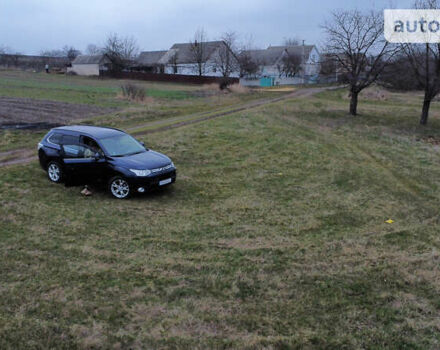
(28, 113)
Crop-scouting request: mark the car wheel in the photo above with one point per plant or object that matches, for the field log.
(54, 172)
(119, 187)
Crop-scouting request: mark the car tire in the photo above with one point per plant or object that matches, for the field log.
(119, 187)
(55, 172)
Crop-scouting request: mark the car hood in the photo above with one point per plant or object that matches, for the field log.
(146, 160)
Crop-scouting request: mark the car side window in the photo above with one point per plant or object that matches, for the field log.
(91, 144)
(70, 140)
(73, 151)
(55, 138)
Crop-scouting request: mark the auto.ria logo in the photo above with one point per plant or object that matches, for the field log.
(412, 26)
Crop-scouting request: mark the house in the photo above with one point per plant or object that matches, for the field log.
(148, 61)
(90, 64)
(283, 65)
(209, 57)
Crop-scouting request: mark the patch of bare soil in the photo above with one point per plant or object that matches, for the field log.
(26, 113)
(432, 140)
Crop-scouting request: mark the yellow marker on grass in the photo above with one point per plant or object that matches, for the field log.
(389, 221)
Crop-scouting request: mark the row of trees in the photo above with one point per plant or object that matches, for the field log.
(232, 57)
(357, 49)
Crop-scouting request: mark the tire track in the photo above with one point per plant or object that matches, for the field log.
(26, 155)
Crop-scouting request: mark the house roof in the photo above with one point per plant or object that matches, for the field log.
(150, 58)
(89, 59)
(295, 50)
(185, 54)
(272, 54)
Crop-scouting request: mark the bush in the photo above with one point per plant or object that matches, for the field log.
(133, 92)
(225, 82)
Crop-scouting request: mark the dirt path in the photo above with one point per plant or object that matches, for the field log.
(177, 122)
(26, 155)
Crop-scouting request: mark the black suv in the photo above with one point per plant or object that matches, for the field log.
(89, 154)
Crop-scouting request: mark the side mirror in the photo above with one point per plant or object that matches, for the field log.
(98, 156)
(142, 143)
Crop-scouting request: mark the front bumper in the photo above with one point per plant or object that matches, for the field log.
(152, 182)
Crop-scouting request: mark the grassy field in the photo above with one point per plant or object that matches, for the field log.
(163, 101)
(273, 237)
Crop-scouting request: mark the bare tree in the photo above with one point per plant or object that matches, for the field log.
(226, 58)
(355, 40)
(199, 50)
(328, 65)
(248, 66)
(130, 48)
(120, 50)
(173, 60)
(93, 49)
(399, 74)
(290, 65)
(295, 41)
(424, 60)
(52, 53)
(70, 52)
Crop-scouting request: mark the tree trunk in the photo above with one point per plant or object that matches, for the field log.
(354, 103)
(425, 111)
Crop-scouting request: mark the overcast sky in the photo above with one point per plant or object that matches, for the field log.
(29, 26)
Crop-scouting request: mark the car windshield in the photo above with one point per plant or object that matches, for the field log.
(122, 145)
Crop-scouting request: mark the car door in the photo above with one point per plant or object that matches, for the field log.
(79, 161)
(92, 148)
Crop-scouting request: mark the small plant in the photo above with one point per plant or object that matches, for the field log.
(133, 92)
(224, 83)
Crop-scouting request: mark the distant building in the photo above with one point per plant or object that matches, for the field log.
(149, 61)
(180, 59)
(270, 65)
(90, 65)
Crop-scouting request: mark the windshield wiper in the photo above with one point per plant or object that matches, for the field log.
(132, 154)
(128, 154)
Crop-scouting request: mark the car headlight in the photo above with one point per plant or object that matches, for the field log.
(145, 172)
(172, 165)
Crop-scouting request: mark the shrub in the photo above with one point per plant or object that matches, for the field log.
(225, 82)
(133, 92)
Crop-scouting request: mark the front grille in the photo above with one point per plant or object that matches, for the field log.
(165, 176)
(158, 170)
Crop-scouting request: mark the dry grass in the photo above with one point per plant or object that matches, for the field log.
(238, 89)
(374, 93)
(210, 87)
(273, 237)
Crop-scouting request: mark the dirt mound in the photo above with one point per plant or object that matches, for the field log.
(29, 113)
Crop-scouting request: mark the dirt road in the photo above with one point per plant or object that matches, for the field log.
(25, 155)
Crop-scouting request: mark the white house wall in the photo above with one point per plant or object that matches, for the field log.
(192, 69)
(85, 69)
